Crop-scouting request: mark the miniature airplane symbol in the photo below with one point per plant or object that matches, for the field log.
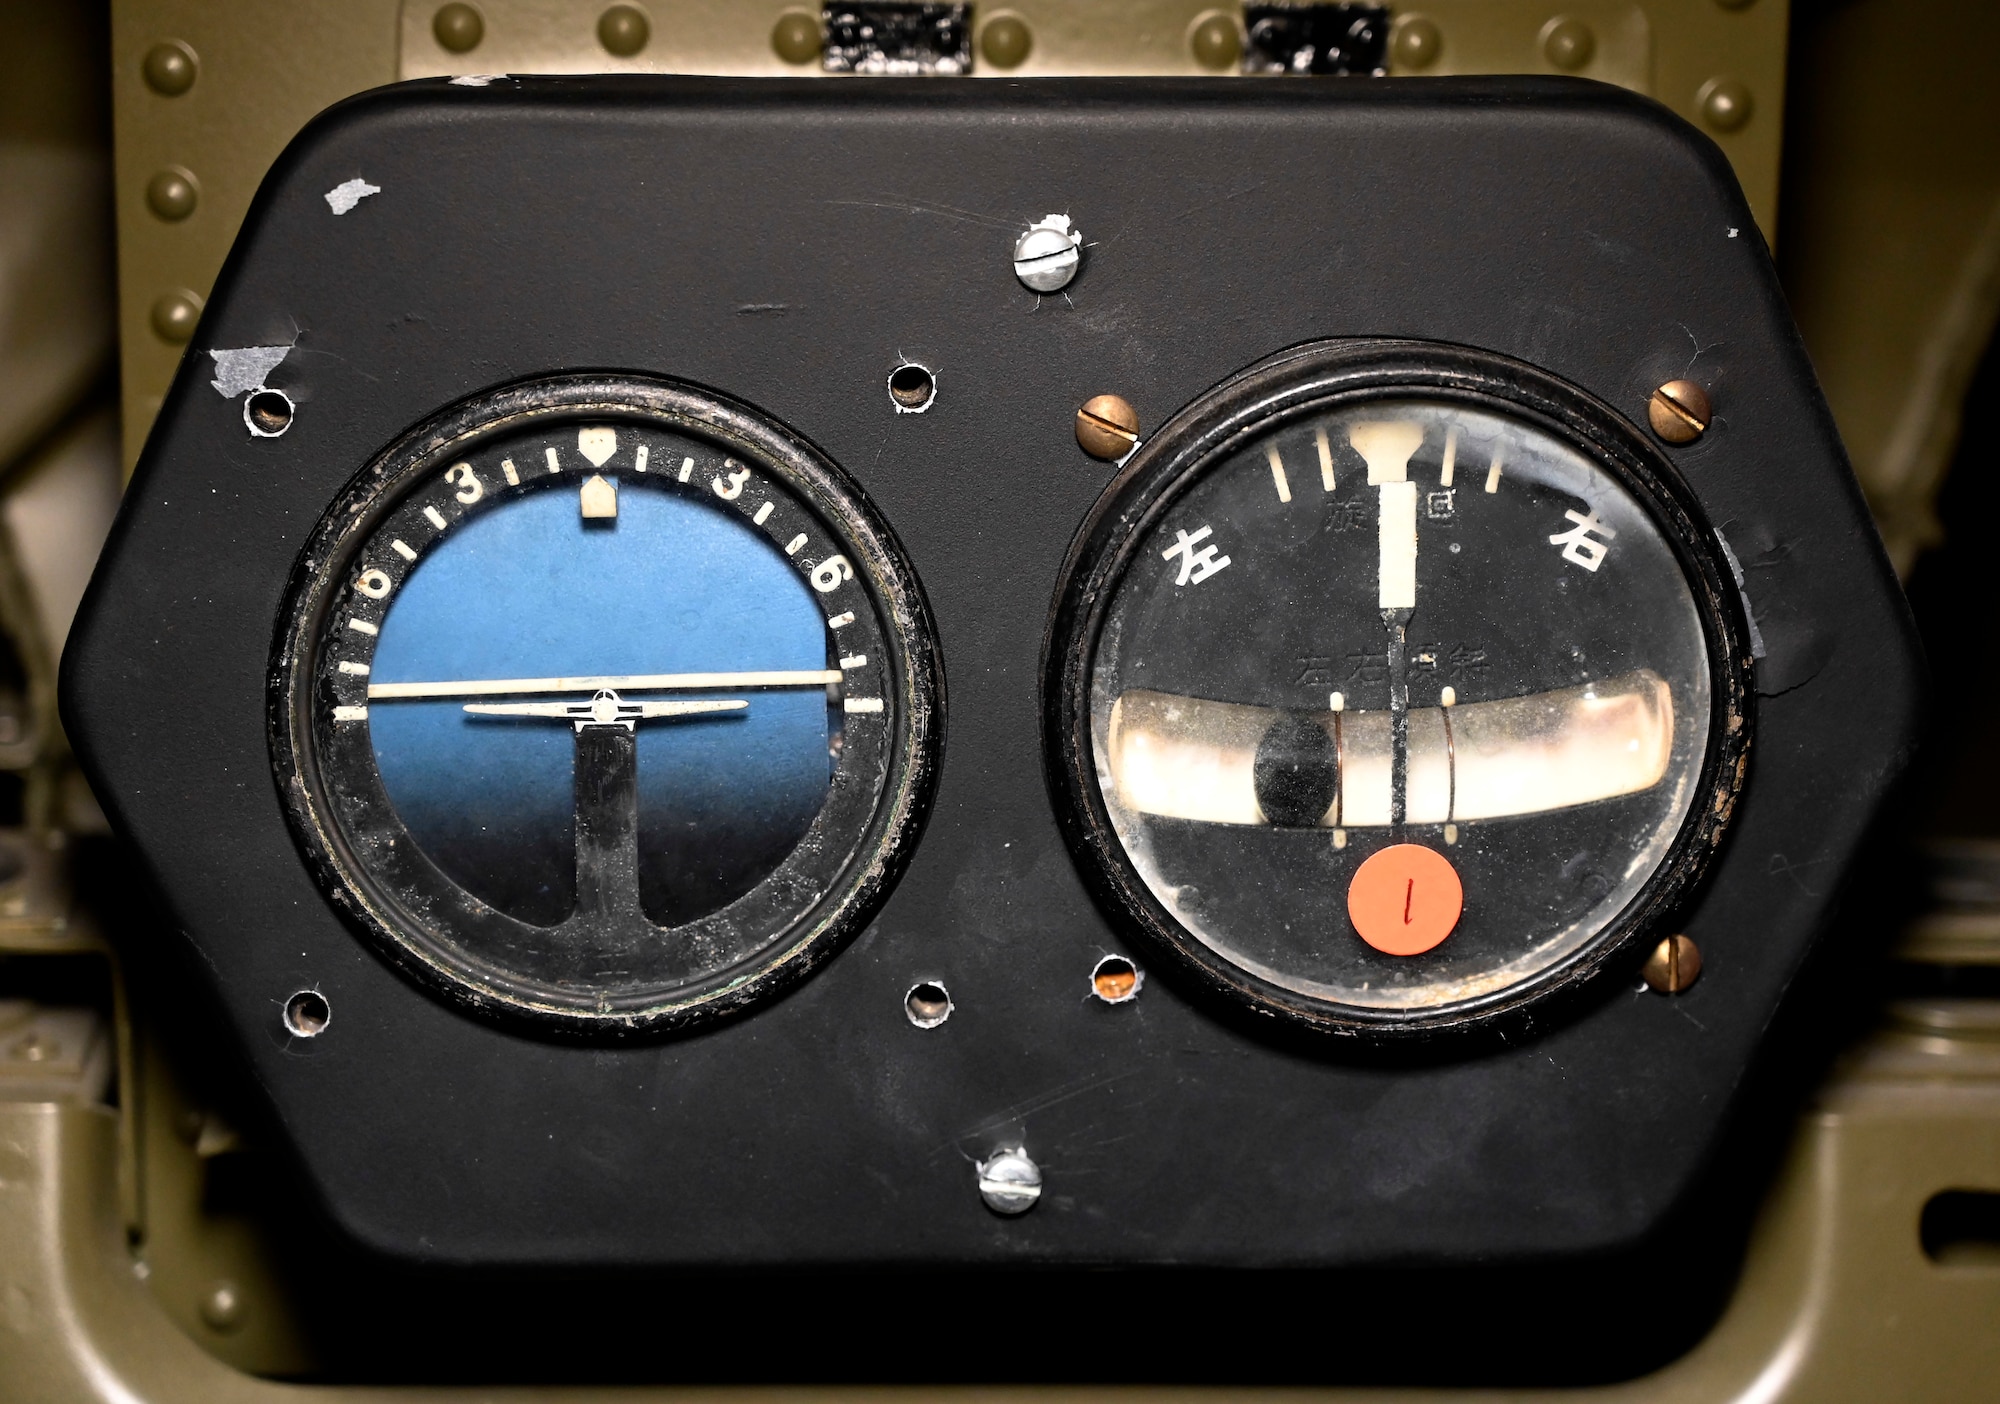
(605, 708)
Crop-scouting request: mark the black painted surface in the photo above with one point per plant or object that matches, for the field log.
(791, 244)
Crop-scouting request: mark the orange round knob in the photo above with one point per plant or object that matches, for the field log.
(1405, 899)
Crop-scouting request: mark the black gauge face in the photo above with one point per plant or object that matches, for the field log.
(607, 703)
(1394, 695)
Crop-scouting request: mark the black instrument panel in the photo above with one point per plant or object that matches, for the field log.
(540, 227)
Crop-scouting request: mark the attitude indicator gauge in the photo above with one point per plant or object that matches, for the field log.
(605, 703)
(1394, 686)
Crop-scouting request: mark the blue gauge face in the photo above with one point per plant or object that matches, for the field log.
(591, 708)
(665, 585)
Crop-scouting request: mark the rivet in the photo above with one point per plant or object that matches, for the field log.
(175, 315)
(169, 68)
(1107, 427)
(927, 1004)
(1009, 1182)
(1568, 43)
(795, 38)
(1725, 104)
(307, 1012)
(171, 194)
(1674, 965)
(458, 28)
(1048, 255)
(1216, 41)
(1004, 41)
(222, 1306)
(623, 30)
(1679, 411)
(1416, 43)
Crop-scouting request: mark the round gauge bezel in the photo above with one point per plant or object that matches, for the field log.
(1315, 379)
(854, 883)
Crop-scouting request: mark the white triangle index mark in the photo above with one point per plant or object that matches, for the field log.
(597, 445)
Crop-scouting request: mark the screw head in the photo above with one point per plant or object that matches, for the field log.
(171, 194)
(1679, 411)
(169, 68)
(457, 28)
(1725, 104)
(222, 1306)
(1416, 43)
(623, 30)
(1107, 427)
(1005, 40)
(1568, 44)
(1674, 965)
(175, 315)
(1047, 256)
(1009, 1182)
(1216, 41)
(795, 38)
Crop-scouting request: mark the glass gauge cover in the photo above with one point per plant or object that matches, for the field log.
(1394, 686)
(605, 702)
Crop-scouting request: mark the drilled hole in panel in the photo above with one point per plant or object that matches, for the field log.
(912, 388)
(1116, 980)
(927, 1004)
(307, 1014)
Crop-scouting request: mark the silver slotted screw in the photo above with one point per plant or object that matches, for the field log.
(1009, 1182)
(1047, 256)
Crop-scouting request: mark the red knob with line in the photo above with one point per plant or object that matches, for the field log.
(1405, 899)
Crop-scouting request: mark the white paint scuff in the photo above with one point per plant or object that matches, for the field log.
(243, 370)
(349, 193)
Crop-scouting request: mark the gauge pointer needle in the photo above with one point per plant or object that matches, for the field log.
(1386, 446)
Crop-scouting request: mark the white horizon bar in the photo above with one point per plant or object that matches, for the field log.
(567, 711)
(631, 682)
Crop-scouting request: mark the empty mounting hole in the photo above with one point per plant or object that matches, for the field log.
(1961, 1228)
(307, 1014)
(1116, 980)
(268, 413)
(927, 1004)
(912, 388)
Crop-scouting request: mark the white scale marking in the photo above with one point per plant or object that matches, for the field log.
(631, 682)
(341, 714)
(854, 660)
(1278, 473)
(362, 626)
(863, 704)
(792, 547)
(513, 476)
(555, 463)
(402, 550)
(1325, 459)
(434, 517)
(639, 459)
(841, 621)
(359, 670)
(1493, 473)
(687, 469)
(1450, 456)
(762, 513)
